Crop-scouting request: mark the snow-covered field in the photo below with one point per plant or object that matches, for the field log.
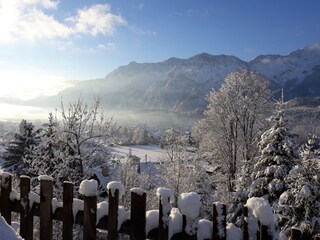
(151, 153)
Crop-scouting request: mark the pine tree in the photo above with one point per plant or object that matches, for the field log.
(311, 149)
(20, 149)
(240, 197)
(299, 206)
(47, 155)
(277, 158)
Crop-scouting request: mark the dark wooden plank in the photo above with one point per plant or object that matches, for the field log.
(5, 203)
(184, 235)
(295, 234)
(26, 218)
(215, 223)
(215, 229)
(67, 228)
(224, 221)
(264, 232)
(46, 193)
(245, 224)
(89, 217)
(163, 229)
(258, 231)
(113, 215)
(138, 216)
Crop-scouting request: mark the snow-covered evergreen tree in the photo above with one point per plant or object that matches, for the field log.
(311, 149)
(240, 197)
(277, 157)
(20, 149)
(48, 154)
(299, 206)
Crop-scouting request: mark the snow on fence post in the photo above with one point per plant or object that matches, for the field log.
(116, 190)
(245, 224)
(261, 218)
(138, 214)
(26, 218)
(317, 237)
(295, 234)
(88, 188)
(5, 203)
(46, 194)
(219, 230)
(165, 196)
(67, 228)
(189, 204)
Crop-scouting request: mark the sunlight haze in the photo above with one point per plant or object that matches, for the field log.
(29, 85)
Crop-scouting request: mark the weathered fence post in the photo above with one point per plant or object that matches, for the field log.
(295, 234)
(113, 214)
(189, 205)
(163, 228)
(88, 189)
(5, 203)
(26, 218)
(89, 217)
(215, 222)
(67, 229)
(138, 214)
(245, 224)
(46, 193)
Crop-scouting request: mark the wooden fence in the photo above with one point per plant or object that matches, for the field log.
(135, 227)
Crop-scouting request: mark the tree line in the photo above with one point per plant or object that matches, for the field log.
(242, 148)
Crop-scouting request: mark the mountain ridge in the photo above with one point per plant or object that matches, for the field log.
(181, 85)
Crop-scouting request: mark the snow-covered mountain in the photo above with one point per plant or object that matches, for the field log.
(181, 85)
(298, 72)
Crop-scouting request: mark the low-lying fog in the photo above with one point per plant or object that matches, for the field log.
(160, 119)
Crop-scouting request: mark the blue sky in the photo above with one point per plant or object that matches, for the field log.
(45, 42)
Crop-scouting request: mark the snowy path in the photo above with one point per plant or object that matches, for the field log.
(153, 152)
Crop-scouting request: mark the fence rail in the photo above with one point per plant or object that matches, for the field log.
(135, 227)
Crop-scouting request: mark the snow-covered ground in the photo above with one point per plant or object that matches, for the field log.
(7, 232)
(151, 153)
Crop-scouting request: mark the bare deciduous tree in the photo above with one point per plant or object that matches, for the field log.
(233, 117)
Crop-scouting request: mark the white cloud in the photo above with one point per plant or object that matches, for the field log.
(314, 46)
(96, 20)
(34, 19)
(107, 46)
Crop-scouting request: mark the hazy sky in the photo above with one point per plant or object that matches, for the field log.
(45, 42)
